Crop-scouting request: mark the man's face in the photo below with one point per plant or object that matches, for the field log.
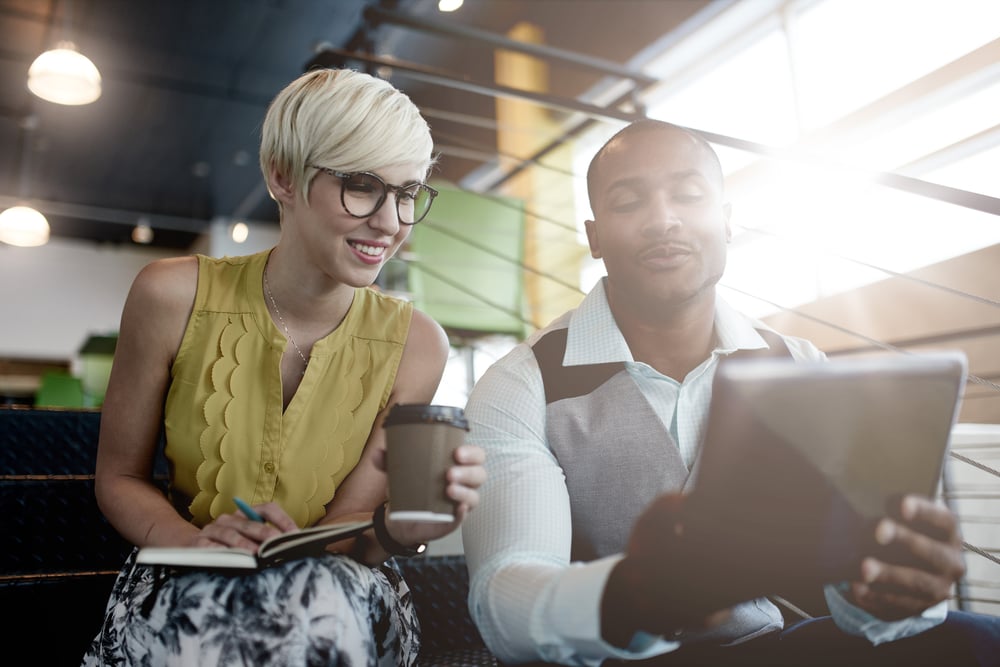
(660, 223)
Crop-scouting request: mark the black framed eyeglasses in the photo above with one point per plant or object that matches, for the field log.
(362, 193)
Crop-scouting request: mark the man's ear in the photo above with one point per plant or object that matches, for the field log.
(592, 240)
(727, 212)
(280, 185)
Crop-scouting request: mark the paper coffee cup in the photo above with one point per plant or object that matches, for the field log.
(420, 444)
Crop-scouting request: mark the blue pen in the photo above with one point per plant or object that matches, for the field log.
(249, 511)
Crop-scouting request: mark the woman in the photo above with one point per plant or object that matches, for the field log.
(270, 376)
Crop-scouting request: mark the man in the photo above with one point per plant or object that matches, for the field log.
(592, 425)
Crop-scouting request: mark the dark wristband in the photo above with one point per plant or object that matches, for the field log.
(387, 542)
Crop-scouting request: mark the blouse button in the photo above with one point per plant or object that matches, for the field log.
(269, 467)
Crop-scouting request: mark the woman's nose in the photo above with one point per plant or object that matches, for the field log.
(386, 218)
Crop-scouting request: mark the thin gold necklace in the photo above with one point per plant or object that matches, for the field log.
(288, 334)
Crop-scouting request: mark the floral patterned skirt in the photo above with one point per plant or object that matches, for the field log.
(329, 610)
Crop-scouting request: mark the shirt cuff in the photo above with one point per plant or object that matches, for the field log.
(575, 612)
(856, 621)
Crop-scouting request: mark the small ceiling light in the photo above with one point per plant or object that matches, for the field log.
(64, 76)
(23, 226)
(240, 232)
(201, 169)
(449, 5)
(142, 233)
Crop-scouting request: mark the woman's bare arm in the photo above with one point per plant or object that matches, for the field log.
(153, 322)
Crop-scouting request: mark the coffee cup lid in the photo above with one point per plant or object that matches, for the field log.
(416, 413)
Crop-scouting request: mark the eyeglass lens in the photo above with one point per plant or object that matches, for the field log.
(364, 193)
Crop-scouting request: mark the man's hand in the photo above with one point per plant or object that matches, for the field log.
(656, 587)
(919, 561)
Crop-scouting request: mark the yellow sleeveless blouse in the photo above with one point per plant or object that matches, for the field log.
(226, 434)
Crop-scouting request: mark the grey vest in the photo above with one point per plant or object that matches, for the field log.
(617, 457)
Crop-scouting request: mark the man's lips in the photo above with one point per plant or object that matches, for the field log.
(666, 255)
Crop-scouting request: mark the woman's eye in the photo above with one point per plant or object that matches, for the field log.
(361, 183)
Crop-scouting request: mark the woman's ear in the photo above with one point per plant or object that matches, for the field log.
(280, 185)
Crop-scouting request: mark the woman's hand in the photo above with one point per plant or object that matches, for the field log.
(464, 479)
(236, 530)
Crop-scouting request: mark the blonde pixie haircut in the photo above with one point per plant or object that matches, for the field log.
(344, 120)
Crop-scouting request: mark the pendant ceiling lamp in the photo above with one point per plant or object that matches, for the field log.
(63, 75)
(22, 225)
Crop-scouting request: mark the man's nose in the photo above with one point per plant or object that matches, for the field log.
(663, 216)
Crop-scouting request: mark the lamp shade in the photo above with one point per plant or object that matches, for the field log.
(23, 226)
(64, 76)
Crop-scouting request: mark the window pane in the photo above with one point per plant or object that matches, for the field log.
(979, 173)
(930, 132)
(851, 52)
(749, 96)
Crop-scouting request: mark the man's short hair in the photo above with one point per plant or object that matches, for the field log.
(639, 127)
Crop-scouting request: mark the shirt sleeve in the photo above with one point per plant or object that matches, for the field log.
(527, 600)
(856, 621)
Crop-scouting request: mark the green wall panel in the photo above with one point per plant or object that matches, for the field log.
(466, 269)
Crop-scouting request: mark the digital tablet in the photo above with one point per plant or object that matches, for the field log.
(801, 459)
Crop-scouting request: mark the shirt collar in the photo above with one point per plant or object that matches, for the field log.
(594, 338)
(734, 330)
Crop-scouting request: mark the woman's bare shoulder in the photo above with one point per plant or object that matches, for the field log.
(169, 282)
(427, 336)
(424, 357)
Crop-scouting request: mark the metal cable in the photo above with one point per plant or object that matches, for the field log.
(975, 379)
(975, 464)
(982, 552)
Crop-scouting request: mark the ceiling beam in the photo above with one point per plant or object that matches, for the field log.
(377, 15)
(331, 57)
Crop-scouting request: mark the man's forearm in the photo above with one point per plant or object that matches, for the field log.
(638, 598)
(620, 613)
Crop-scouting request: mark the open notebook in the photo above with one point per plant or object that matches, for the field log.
(800, 460)
(302, 543)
